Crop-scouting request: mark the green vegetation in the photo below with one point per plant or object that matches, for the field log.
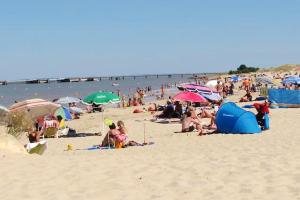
(18, 124)
(243, 69)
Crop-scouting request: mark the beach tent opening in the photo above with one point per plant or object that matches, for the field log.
(232, 119)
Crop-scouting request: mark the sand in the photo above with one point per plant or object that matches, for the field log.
(177, 166)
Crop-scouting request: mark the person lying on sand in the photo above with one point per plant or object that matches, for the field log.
(193, 112)
(152, 107)
(189, 124)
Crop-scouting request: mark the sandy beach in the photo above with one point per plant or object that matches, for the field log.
(149, 100)
(178, 165)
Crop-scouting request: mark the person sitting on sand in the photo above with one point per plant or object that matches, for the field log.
(247, 97)
(178, 110)
(193, 112)
(212, 116)
(97, 107)
(189, 124)
(109, 139)
(121, 138)
(168, 111)
(50, 122)
(33, 135)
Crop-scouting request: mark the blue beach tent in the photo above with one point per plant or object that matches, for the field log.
(232, 119)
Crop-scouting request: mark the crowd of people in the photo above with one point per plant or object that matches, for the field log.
(190, 115)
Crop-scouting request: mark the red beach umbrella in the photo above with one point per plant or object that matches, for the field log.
(189, 96)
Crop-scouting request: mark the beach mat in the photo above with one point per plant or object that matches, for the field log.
(97, 147)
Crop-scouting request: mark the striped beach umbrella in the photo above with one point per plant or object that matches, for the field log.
(64, 113)
(34, 107)
(195, 87)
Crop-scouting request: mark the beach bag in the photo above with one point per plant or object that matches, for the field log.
(267, 121)
(72, 133)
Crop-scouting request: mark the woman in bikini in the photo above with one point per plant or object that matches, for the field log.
(123, 135)
(189, 124)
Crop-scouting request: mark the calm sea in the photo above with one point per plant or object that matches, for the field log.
(19, 91)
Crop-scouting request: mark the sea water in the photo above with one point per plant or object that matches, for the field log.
(49, 91)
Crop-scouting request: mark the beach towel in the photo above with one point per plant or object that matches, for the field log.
(248, 106)
(129, 144)
(260, 98)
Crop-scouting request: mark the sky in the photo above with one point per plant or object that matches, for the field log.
(62, 38)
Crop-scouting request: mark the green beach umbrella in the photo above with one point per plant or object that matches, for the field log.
(101, 98)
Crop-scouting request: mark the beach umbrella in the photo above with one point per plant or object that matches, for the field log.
(67, 100)
(3, 114)
(101, 98)
(189, 96)
(212, 83)
(265, 80)
(212, 96)
(195, 87)
(64, 113)
(235, 78)
(34, 107)
(292, 80)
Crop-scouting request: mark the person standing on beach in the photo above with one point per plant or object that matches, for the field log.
(162, 91)
(219, 88)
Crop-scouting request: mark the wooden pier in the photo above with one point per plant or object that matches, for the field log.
(111, 78)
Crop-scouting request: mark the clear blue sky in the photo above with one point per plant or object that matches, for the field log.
(59, 38)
